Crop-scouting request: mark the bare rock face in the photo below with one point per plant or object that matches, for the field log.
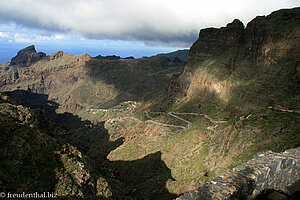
(26, 57)
(214, 40)
(263, 35)
(271, 28)
(230, 35)
(273, 37)
(267, 46)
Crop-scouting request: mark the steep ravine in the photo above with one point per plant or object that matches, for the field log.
(235, 74)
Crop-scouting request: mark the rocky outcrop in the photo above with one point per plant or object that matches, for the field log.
(72, 107)
(26, 57)
(274, 37)
(259, 37)
(271, 28)
(265, 52)
(268, 171)
(29, 145)
(213, 40)
(56, 55)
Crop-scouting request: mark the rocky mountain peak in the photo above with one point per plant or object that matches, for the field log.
(261, 31)
(214, 40)
(27, 56)
(28, 49)
(56, 55)
(232, 33)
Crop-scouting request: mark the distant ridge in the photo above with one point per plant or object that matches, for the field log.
(112, 57)
(176, 56)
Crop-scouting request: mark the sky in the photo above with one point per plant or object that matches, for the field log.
(119, 27)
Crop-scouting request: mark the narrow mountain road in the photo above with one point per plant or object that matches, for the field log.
(133, 118)
(168, 125)
(284, 110)
(175, 115)
(213, 121)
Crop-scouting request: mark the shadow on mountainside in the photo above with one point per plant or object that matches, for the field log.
(40, 103)
(134, 79)
(33, 157)
(144, 178)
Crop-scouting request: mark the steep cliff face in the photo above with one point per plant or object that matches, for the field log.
(233, 64)
(274, 37)
(213, 40)
(53, 75)
(259, 33)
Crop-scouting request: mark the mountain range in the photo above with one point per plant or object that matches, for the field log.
(152, 127)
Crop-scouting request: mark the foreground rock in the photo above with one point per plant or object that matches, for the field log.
(33, 159)
(268, 171)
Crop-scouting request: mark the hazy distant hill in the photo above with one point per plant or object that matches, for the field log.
(113, 57)
(180, 55)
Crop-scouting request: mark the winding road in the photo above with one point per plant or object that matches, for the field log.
(284, 110)
(175, 115)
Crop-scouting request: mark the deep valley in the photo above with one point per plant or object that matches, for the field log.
(152, 127)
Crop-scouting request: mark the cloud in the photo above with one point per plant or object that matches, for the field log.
(4, 35)
(30, 38)
(154, 22)
(12, 32)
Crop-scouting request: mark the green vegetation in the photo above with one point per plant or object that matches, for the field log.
(33, 161)
(145, 128)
